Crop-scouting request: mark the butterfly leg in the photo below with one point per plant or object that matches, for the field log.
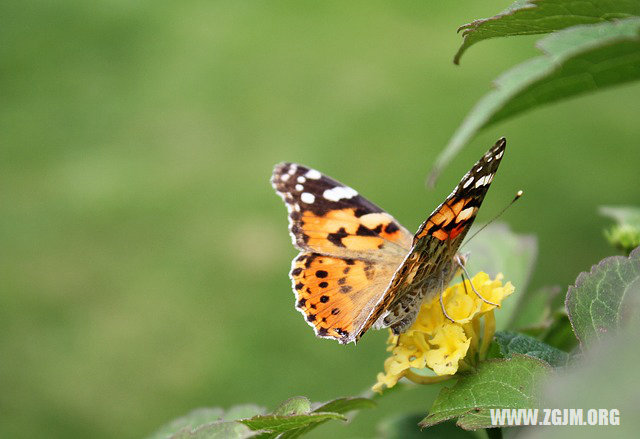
(444, 311)
(463, 274)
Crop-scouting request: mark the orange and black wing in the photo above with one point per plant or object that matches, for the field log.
(328, 217)
(439, 237)
(350, 249)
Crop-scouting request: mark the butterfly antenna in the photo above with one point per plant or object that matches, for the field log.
(516, 198)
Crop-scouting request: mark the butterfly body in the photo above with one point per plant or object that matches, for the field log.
(358, 267)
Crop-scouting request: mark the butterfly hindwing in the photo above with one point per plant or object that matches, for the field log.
(335, 295)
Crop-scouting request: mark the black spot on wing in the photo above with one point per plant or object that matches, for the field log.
(309, 259)
(366, 231)
(392, 227)
(336, 238)
(342, 332)
(311, 318)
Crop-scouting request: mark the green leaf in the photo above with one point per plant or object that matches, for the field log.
(293, 406)
(497, 249)
(625, 235)
(340, 405)
(293, 418)
(543, 16)
(280, 424)
(406, 427)
(506, 383)
(199, 417)
(577, 60)
(513, 343)
(604, 298)
(290, 419)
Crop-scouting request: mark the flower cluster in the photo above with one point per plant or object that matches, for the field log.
(436, 343)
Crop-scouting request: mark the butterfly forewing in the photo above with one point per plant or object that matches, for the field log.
(326, 216)
(350, 249)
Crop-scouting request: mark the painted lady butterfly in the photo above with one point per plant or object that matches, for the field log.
(358, 267)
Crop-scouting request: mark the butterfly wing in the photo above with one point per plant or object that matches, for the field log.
(328, 217)
(429, 263)
(335, 295)
(350, 249)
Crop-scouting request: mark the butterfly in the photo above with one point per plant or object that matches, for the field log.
(358, 267)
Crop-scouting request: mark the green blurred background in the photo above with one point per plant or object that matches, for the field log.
(144, 253)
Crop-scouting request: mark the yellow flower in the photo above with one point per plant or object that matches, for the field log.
(434, 348)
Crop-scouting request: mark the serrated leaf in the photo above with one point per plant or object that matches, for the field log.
(280, 424)
(601, 300)
(293, 406)
(505, 383)
(340, 405)
(406, 427)
(497, 249)
(625, 235)
(513, 343)
(543, 16)
(196, 418)
(577, 60)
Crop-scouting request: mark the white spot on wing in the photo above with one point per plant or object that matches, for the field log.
(301, 179)
(499, 155)
(313, 174)
(481, 181)
(468, 182)
(299, 187)
(372, 220)
(284, 177)
(465, 214)
(338, 193)
(293, 169)
(308, 198)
